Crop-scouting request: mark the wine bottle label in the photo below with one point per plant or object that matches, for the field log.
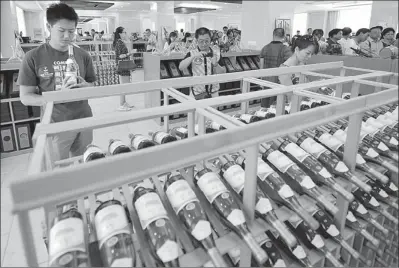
(360, 160)
(372, 121)
(383, 193)
(367, 128)
(382, 147)
(264, 170)
(324, 172)
(317, 241)
(122, 262)
(361, 209)
(330, 141)
(272, 110)
(307, 183)
(159, 136)
(234, 254)
(350, 217)
(180, 194)
(313, 147)
(332, 230)
(114, 145)
(285, 191)
(235, 176)
(246, 118)
(260, 113)
(299, 252)
(280, 161)
(211, 186)
(208, 264)
(341, 167)
(374, 202)
(91, 150)
(307, 103)
(168, 251)
(66, 236)
(182, 130)
(295, 220)
(110, 221)
(263, 206)
(202, 230)
(196, 129)
(372, 153)
(236, 217)
(340, 134)
(137, 140)
(296, 151)
(215, 125)
(393, 141)
(393, 187)
(149, 209)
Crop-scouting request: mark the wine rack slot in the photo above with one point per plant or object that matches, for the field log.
(115, 175)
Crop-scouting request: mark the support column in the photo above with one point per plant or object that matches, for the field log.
(8, 25)
(165, 19)
(384, 13)
(258, 20)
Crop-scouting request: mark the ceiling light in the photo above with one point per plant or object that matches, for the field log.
(195, 5)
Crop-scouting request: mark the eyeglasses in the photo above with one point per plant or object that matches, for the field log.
(204, 42)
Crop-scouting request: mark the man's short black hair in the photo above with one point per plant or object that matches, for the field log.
(147, 30)
(59, 11)
(102, 32)
(93, 30)
(309, 29)
(279, 32)
(225, 27)
(346, 31)
(318, 31)
(334, 32)
(362, 31)
(202, 31)
(376, 27)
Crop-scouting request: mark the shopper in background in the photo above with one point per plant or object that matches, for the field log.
(373, 44)
(361, 35)
(333, 47)
(397, 40)
(201, 62)
(318, 35)
(310, 31)
(347, 42)
(298, 34)
(151, 40)
(41, 72)
(170, 43)
(272, 56)
(121, 53)
(181, 34)
(225, 37)
(387, 36)
(303, 49)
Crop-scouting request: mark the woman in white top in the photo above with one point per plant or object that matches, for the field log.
(347, 42)
(170, 43)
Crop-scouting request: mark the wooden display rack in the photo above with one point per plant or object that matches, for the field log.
(48, 187)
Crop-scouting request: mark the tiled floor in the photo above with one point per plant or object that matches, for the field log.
(13, 167)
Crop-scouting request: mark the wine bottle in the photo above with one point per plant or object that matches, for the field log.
(272, 251)
(214, 125)
(263, 114)
(305, 105)
(222, 201)
(381, 122)
(67, 246)
(312, 166)
(270, 112)
(296, 177)
(390, 188)
(328, 229)
(380, 252)
(161, 137)
(274, 186)
(179, 132)
(248, 118)
(310, 238)
(117, 147)
(383, 118)
(207, 129)
(238, 117)
(373, 156)
(157, 226)
(360, 162)
(333, 164)
(139, 141)
(389, 140)
(381, 195)
(234, 174)
(92, 152)
(296, 253)
(190, 212)
(353, 223)
(114, 235)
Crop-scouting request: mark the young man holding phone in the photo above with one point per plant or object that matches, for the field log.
(42, 70)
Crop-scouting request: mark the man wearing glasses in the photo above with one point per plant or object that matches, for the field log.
(201, 62)
(43, 69)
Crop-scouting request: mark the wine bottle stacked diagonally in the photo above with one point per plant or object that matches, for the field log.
(92, 152)
(383, 132)
(379, 193)
(117, 147)
(310, 238)
(312, 166)
(189, 210)
(139, 141)
(161, 137)
(67, 246)
(382, 117)
(221, 199)
(179, 132)
(156, 225)
(234, 174)
(328, 229)
(361, 164)
(214, 125)
(272, 251)
(295, 177)
(114, 235)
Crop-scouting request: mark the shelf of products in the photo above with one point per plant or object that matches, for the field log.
(232, 156)
(18, 122)
(167, 67)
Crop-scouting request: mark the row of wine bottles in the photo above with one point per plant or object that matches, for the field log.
(297, 164)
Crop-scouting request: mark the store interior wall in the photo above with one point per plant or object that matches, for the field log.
(384, 13)
(317, 20)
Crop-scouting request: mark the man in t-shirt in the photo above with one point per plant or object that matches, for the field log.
(272, 56)
(151, 40)
(333, 47)
(43, 70)
(373, 44)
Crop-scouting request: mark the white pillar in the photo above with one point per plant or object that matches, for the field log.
(8, 25)
(384, 13)
(258, 20)
(164, 18)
